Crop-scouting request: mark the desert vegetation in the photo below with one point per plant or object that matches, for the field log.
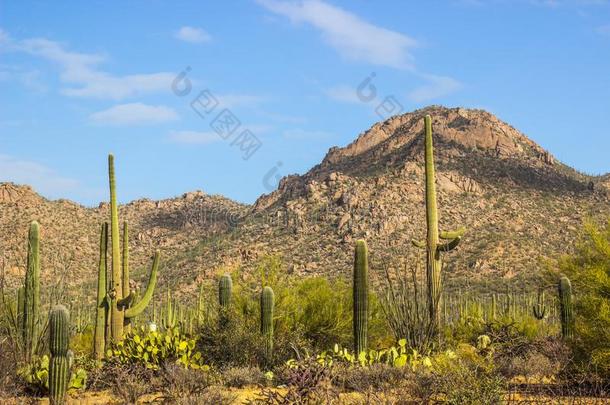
(396, 332)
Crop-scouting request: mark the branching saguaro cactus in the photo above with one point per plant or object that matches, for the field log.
(116, 301)
(59, 367)
(539, 309)
(267, 307)
(565, 306)
(361, 297)
(31, 299)
(434, 247)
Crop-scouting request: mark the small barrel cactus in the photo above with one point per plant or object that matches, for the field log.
(267, 304)
(59, 368)
(565, 305)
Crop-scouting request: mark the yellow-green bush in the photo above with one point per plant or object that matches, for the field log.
(152, 348)
(589, 271)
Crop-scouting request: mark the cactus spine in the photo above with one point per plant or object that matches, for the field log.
(565, 305)
(31, 300)
(267, 304)
(59, 369)
(434, 247)
(539, 308)
(101, 310)
(361, 296)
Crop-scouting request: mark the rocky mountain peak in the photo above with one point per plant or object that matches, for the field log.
(471, 129)
(15, 193)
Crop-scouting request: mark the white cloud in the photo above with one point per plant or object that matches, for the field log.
(353, 37)
(299, 134)
(603, 29)
(239, 100)
(193, 35)
(82, 75)
(134, 114)
(438, 86)
(344, 94)
(193, 137)
(27, 77)
(43, 179)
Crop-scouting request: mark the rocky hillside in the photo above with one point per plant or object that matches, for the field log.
(517, 201)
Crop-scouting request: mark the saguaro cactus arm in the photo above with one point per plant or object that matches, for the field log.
(449, 246)
(139, 307)
(446, 235)
(418, 244)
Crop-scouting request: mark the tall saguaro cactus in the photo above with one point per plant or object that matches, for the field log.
(225, 287)
(116, 301)
(31, 301)
(59, 368)
(361, 296)
(267, 306)
(116, 291)
(565, 306)
(433, 245)
(101, 310)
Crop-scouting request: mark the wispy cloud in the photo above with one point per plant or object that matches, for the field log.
(81, 74)
(193, 137)
(193, 35)
(44, 180)
(134, 114)
(304, 134)
(343, 93)
(353, 37)
(30, 78)
(603, 30)
(239, 100)
(437, 86)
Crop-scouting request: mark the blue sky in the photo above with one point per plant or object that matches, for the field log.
(81, 79)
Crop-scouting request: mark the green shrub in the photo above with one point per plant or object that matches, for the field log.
(466, 376)
(589, 270)
(178, 382)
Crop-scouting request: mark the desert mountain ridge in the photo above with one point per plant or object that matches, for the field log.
(516, 200)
